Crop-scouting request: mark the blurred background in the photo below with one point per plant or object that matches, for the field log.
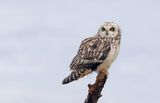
(39, 38)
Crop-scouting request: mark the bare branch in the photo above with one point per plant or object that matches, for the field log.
(94, 92)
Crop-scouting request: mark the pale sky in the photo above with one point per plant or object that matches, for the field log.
(39, 38)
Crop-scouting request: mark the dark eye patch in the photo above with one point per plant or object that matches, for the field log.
(103, 29)
(112, 29)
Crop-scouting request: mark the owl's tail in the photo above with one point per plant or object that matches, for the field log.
(75, 75)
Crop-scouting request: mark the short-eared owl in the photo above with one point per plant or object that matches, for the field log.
(96, 53)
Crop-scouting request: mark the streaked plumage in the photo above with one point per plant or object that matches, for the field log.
(96, 52)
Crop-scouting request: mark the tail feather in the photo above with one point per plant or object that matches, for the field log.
(75, 75)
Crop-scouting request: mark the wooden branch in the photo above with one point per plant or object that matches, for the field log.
(94, 92)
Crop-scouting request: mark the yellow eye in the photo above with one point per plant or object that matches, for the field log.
(112, 29)
(103, 29)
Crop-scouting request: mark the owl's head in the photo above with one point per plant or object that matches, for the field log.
(109, 29)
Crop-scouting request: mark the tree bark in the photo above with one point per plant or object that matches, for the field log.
(94, 92)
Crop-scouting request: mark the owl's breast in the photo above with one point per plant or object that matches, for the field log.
(110, 58)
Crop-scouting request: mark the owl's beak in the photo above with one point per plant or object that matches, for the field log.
(106, 33)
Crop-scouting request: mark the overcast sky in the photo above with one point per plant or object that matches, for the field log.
(39, 38)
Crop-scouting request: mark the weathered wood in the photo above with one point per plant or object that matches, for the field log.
(94, 92)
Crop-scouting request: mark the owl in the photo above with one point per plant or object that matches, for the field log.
(96, 53)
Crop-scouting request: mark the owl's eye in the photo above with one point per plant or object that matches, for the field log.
(112, 29)
(103, 29)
